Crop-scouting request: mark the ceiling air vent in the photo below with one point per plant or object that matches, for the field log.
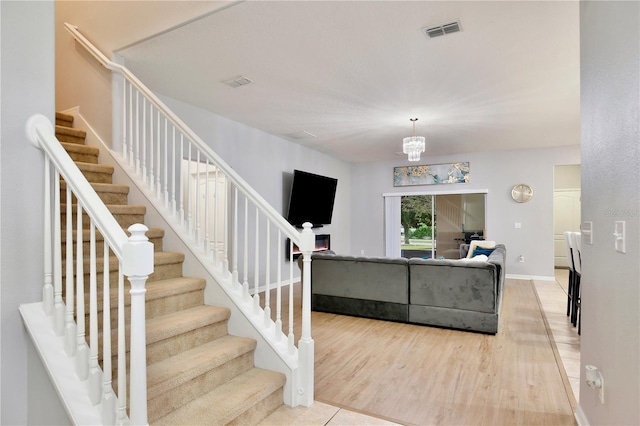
(237, 81)
(440, 30)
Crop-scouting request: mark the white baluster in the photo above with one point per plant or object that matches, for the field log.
(278, 329)
(216, 248)
(225, 236)
(144, 139)
(58, 306)
(173, 174)
(158, 148)
(189, 203)
(151, 149)
(82, 353)
(108, 408)
(245, 266)
(47, 289)
(291, 336)
(197, 199)
(95, 374)
(124, 119)
(130, 126)
(207, 241)
(70, 326)
(137, 133)
(180, 175)
(267, 278)
(137, 265)
(256, 268)
(165, 170)
(122, 353)
(235, 229)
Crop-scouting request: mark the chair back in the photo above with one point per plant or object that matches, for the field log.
(569, 249)
(576, 240)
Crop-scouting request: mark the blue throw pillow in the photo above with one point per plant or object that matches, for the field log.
(482, 250)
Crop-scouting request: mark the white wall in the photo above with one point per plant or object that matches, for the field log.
(27, 86)
(110, 25)
(267, 162)
(610, 111)
(496, 172)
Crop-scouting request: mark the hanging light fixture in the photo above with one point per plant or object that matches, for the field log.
(413, 145)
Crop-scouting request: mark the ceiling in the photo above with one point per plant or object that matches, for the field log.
(352, 73)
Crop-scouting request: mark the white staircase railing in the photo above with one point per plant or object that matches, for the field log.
(234, 229)
(62, 260)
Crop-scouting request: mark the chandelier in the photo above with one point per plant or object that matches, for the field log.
(413, 145)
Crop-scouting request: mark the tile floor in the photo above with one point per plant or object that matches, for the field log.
(553, 297)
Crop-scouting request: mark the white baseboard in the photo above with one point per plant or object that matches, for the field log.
(581, 418)
(530, 277)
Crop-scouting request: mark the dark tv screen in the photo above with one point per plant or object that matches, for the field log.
(312, 198)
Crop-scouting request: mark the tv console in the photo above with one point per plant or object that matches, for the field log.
(323, 243)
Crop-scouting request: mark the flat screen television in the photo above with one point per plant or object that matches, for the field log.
(312, 198)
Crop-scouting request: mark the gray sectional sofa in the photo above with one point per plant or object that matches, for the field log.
(462, 294)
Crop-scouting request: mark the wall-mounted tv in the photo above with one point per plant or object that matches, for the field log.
(312, 198)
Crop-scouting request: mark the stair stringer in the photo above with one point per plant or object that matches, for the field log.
(245, 321)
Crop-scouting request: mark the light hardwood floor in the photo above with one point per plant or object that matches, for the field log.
(418, 375)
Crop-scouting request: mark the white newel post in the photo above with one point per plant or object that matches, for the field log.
(306, 343)
(137, 265)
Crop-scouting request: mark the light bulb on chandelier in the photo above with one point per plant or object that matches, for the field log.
(413, 145)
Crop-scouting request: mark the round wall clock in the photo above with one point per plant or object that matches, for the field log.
(522, 193)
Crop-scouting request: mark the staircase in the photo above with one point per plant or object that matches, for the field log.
(196, 372)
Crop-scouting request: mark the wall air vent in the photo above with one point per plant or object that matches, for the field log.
(440, 30)
(237, 81)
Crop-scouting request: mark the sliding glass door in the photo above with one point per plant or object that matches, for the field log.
(435, 225)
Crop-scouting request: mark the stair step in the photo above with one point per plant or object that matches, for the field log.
(166, 265)
(125, 214)
(82, 153)
(247, 399)
(162, 297)
(67, 134)
(109, 193)
(171, 334)
(96, 173)
(175, 381)
(63, 119)
(155, 236)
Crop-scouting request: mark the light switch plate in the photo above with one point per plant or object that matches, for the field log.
(587, 232)
(618, 234)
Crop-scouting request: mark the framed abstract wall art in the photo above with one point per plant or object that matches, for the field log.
(431, 174)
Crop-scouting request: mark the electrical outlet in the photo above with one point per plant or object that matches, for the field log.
(618, 235)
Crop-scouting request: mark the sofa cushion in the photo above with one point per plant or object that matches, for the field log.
(481, 244)
(370, 278)
(453, 284)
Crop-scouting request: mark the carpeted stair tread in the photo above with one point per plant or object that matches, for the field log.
(113, 208)
(155, 236)
(98, 173)
(179, 369)
(70, 135)
(169, 287)
(159, 258)
(103, 187)
(90, 167)
(228, 402)
(63, 119)
(170, 325)
(83, 153)
(110, 193)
